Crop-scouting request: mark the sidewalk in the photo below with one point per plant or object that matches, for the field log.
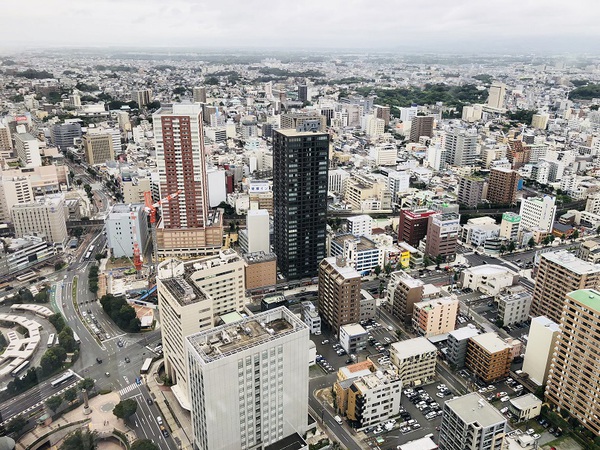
(101, 420)
(181, 428)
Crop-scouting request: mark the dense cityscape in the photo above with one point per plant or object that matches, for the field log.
(299, 250)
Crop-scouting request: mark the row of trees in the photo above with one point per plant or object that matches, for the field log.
(121, 312)
(93, 279)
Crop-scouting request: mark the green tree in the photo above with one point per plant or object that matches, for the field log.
(78, 181)
(144, 444)
(53, 359)
(82, 439)
(499, 323)
(377, 270)
(54, 402)
(426, 261)
(438, 260)
(531, 242)
(87, 384)
(575, 234)
(502, 249)
(126, 408)
(16, 425)
(66, 340)
(388, 268)
(57, 321)
(70, 394)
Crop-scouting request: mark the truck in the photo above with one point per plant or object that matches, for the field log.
(338, 419)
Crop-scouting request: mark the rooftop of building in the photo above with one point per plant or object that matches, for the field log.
(25, 136)
(489, 270)
(515, 297)
(292, 442)
(178, 108)
(418, 214)
(464, 333)
(362, 243)
(374, 380)
(184, 290)
(291, 132)
(259, 257)
(356, 370)
(490, 342)
(51, 200)
(571, 262)
(353, 329)
(424, 443)
(441, 302)
(413, 347)
(273, 299)
(122, 208)
(406, 279)
(545, 322)
(525, 401)
(587, 297)
(229, 339)
(344, 270)
(359, 218)
(473, 408)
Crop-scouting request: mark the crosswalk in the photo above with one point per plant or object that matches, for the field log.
(127, 389)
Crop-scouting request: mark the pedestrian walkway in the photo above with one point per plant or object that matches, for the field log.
(127, 389)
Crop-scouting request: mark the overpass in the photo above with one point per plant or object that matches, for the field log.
(85, 223)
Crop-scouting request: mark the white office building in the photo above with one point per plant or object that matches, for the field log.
(45, 217)
(537, 213)
(249, 381)
(336, 180)
(27, 149)
(360, 225)
(255, 238)
(470, 422)
(192, 296)
(126, 225)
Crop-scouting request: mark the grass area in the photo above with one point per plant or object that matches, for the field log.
(74, 291)
(564, 442)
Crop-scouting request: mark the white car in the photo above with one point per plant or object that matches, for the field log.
(504, 410)
(439, 394)
(505, 398)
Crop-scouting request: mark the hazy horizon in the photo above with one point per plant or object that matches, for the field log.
(464, 27)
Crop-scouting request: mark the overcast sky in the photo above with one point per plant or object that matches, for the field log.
(461, 25)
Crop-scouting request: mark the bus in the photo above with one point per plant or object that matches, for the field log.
(51, 340)
(26, 276)
(63, 378)
(76, 337)
(19, 369)
(87, 255)
(146, 366)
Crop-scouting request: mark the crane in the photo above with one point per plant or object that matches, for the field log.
(151, 209)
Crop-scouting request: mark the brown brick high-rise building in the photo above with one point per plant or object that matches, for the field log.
(502, 186)
(421, 126)
(518, 154)
(339, 293)
(560, 272)
(573, 380)
(442, 235)
(489, 357)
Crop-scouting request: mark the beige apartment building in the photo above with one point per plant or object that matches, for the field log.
(364, 192)
(45, 217)
(98, 148)
(573, 380)
(133, 190)
(489, 357)
(403, 291)
(339, 293)
(434, 317)
(415, 360)
(192, 295)
(541, 341)
(261, 270)
(560, 272)
(13, 190)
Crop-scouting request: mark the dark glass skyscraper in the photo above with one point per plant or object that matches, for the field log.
(300, 161)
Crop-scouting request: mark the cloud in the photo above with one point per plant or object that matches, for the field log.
(307, 23)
